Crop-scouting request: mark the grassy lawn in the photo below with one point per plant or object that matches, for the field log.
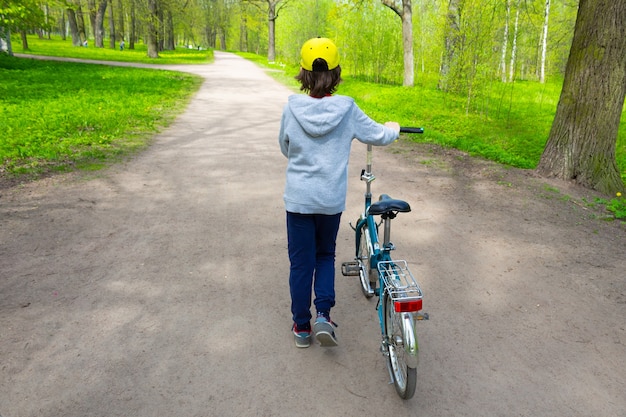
(58, 47)
(58, 115)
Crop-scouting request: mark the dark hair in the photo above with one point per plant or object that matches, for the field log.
(319, 83)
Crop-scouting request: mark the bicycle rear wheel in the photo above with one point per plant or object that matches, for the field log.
(398, 329)
(367, 275)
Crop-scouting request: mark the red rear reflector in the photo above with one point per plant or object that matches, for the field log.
(407, 306)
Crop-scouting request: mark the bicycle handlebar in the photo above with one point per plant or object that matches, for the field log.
(411, 130)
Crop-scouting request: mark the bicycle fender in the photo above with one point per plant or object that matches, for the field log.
(410, 340)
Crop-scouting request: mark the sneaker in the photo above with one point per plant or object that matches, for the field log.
(302, 335)
(324, 332)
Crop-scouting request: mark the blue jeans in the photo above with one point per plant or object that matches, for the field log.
(311, 242)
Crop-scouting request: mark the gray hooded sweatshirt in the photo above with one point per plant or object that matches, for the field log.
(316, 135)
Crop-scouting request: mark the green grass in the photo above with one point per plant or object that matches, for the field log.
(508, 131)
(58, 115)
(58, 47)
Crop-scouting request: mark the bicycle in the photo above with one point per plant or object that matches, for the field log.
(399, 294)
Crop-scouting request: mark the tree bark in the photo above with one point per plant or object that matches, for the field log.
(271, 17)
(74, 32)
(169, 41)
(514, 47)
(405, 12)
(152, 38)
(581, 145)
(544, 44)
(505, 41)
(99, 28)
(111, 26)
(133, 25)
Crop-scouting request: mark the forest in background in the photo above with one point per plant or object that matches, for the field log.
(472, 51)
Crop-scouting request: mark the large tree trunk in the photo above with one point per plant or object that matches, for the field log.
(74, 32)
(153, 34)
(407, 43)
(111, 26)
(405, 12)
(271, 44)
(169, 40)
(121, 23)
(99, 28)
(81, 23)
(581, 145)
(133, 25)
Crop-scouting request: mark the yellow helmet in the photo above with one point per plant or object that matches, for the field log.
(319, 48)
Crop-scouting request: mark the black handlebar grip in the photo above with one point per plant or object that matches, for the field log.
(411, 130)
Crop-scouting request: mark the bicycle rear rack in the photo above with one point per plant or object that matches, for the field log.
(399, 282)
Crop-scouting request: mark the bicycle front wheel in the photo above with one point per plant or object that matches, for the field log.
(401, 348)
(367, 276)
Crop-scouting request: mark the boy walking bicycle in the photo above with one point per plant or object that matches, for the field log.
(316, 134)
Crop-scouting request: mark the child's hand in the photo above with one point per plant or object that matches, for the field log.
(394, 125)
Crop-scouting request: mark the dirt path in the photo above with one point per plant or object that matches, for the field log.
(159, 287)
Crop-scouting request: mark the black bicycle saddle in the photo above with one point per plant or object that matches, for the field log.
(386, 205)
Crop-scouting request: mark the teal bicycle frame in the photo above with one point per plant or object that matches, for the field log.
(399, 295)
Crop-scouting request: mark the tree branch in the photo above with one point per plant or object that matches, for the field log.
(392, 5)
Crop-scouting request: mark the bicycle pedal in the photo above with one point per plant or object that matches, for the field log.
(350, 268)
(422, 316)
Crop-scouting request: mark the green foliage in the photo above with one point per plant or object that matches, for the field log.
(56, 114)
(616, 206)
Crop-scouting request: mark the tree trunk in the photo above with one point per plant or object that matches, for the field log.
(99, 28)
(152, 38)
(407, 43)
(514, 47)
(74, 32)
(582, 141)
(505, 41)
(81, 23)
(111, 26)
(5, 35)
(24, 40)
(133, 26)
(169, 32)
(544, 44)
(405, 12)
(120, 27)
(271, 44)
(91, 5)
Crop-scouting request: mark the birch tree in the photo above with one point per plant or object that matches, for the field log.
(505, 41)
(544, 43)
(514, 46)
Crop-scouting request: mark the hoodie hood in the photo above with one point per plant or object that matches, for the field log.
(319, 116)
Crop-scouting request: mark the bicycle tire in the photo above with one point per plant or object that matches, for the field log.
(404, 376)
(367, 276)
